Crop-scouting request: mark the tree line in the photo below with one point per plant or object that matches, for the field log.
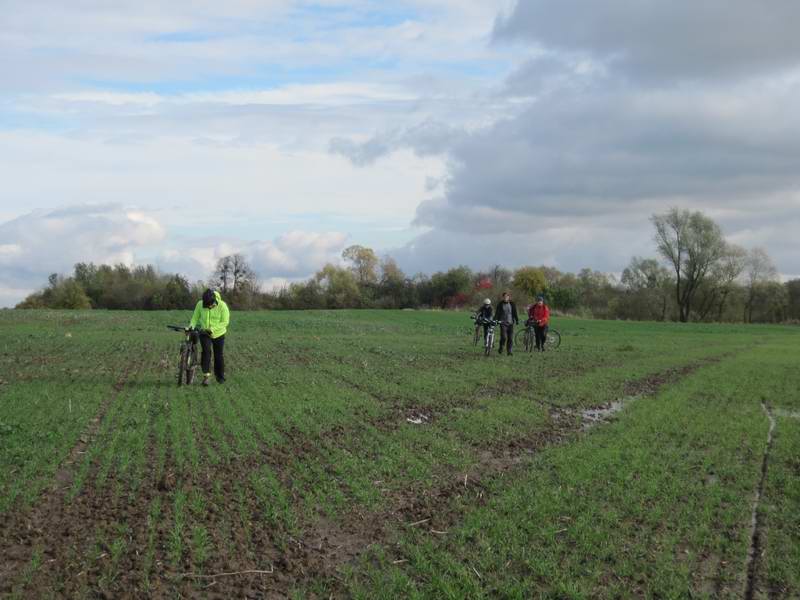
(697, 275)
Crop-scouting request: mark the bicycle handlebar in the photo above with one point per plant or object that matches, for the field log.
(178, 328)
(482, 321)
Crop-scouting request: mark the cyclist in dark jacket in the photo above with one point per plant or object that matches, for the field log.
(506, 313)
(483, 314)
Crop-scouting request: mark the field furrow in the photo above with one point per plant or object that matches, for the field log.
(379, 454)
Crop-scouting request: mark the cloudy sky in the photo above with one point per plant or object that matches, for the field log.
(442, 132)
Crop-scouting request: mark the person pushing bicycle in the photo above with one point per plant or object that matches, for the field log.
(506, 313)
(539, 317)
(211, 317)
(482, 317)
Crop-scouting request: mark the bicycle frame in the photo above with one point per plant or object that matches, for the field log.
(491, 325)
(188, 361)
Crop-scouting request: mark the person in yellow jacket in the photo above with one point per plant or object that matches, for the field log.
(211, 317)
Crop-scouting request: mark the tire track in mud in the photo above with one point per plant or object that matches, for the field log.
(31, 530)
(241, 541)
(323, 546)
(329, 544)
(755, 551)
(318, 550)
(342, 542)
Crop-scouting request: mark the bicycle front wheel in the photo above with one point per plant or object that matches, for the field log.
(183, 363)
(191, 365)
(489, 343)
(524, 338)
(553, 340)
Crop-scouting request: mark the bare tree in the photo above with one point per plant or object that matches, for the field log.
(223, 274)
(721, 281)
(759, 271)
(692, 244)
(649, 283)
(243, 275)
(233, 274)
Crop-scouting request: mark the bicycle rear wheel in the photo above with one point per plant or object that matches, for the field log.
(553, 340)
(183, 363)
(477, 335)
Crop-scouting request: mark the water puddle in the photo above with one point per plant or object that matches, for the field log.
(602, 414)
(789, 414)
(418, 419)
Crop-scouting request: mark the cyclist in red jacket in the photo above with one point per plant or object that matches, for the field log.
(539, 317)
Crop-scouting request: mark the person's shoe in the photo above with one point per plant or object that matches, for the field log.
(510, 353)
(500, 351)
(220, 380)
(206, 380)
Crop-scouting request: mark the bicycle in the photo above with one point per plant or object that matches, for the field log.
(189, 360)
(527, 338)
(489, 341)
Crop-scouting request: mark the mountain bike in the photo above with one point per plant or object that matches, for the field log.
(489, 341)
(188, 361)
(527, 338)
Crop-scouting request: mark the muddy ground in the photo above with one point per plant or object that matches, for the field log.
(250, 557)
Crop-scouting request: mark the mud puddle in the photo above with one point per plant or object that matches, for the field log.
(591, 417)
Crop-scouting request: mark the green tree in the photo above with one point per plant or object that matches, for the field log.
(339, 287)
(392, 284)
(529, 281)
(692, 244)
(450, 286)
(363, 263)
(648, 287)
(69, 294)
(793, 299)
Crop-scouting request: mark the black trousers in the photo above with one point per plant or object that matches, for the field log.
(218, 346)
(506, 336)
(541, 335)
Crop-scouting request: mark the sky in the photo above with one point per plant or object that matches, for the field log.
(440, 132)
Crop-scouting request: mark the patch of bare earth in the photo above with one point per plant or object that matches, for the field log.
(49, 523)
(436, 509)
(250, 557)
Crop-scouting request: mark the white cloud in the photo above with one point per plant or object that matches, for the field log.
(290, 256)
(44, 242)
(251, 116)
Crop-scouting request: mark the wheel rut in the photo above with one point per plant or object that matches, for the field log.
(26, 532)
(756, 549)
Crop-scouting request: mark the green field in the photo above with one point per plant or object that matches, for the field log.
(374, 454)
